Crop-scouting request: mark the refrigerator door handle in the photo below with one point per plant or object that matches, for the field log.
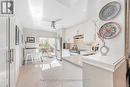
(12, 60)
(11, 54)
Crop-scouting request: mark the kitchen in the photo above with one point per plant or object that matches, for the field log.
(90, 58)
(89, 45)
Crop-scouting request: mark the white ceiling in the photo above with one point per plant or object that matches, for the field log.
(32, 13)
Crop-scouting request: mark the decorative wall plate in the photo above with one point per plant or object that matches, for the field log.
(110, 11)
(109, 30)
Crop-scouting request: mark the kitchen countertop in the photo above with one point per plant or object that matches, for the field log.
(76, 60)
(110, 63)
(106, 62)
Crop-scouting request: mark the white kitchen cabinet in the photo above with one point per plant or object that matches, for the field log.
(72, 75)
(7, 47)
(4, 46)
(97, 75)
(13, 70)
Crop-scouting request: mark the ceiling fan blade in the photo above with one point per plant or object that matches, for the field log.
(68, 3)
(47, 19)
(50, 20)
(63, 2)
(58, 19)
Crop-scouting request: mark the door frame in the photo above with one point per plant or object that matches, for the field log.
(127, 26)
(127, 7)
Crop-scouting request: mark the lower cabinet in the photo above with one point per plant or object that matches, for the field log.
(72, 75)
(98, 77)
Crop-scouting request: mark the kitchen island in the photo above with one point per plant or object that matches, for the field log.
(105, 71)
(72, 71)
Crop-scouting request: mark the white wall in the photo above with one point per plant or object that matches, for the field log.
(37, 34)
(86, 28)
(19, 49)
(117, 44)
(92, 9)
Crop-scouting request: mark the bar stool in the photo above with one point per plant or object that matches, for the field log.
(29, 57)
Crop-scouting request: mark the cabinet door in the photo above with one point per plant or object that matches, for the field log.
(7, 51)
(13, 53)
(4, 56)
(96, 77)
(72, 75)
(12, 31)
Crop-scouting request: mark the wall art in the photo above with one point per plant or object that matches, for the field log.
(110, 11)
(109, 30)
(30, 39)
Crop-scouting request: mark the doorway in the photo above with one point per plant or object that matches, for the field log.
(4, 46)
(47, 72)
(47, 47)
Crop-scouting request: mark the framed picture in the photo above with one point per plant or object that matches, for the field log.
(30, 39)
(16, 35)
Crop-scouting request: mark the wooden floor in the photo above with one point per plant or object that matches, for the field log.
(46, 74)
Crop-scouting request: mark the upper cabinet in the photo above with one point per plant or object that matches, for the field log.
(12, 32)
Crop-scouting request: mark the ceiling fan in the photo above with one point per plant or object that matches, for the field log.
(53, 22)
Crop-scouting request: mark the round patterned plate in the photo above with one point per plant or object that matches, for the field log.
(109, 30)
(110, 11)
